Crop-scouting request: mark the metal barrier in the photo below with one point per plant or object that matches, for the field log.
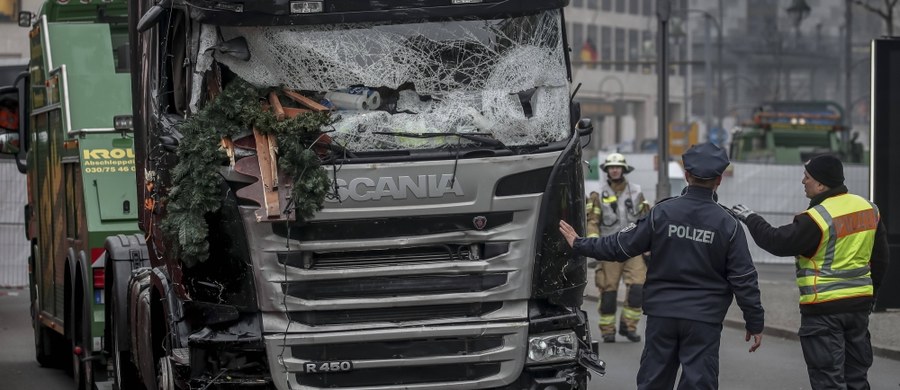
(13, 244)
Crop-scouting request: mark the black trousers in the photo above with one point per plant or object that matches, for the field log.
(673, 342)
(837, 349)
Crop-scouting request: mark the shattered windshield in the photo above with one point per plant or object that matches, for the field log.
(505, 78)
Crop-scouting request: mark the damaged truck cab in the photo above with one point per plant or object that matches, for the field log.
(352, 194)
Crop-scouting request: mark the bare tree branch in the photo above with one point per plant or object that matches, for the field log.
(868, 7)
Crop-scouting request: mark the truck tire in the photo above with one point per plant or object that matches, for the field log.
(125, 375)
(81, 337)
(166, 375)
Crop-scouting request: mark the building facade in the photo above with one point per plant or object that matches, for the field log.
(613, 58)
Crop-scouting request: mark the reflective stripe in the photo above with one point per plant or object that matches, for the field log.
(607, 319)
(846, 274)
(631, 314)
(840, 267)
(832, 237)
(826, 287)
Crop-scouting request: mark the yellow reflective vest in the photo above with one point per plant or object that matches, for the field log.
(839, 269)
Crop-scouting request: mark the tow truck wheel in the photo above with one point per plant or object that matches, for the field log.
(125, 375)
(166, 377)
(80, 348)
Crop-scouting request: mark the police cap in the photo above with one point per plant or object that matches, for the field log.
(705, 161)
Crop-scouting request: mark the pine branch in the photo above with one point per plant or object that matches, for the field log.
(196, 191)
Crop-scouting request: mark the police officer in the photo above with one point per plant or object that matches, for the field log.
(842, 256)
(700, 262)
(621, 203)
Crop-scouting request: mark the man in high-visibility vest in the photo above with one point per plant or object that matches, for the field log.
(842, 255)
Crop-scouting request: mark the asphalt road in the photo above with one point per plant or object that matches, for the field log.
(18, 369)
(777, 365)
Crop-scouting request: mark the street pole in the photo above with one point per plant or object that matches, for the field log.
(708, 79)
(848, 65)
(720, 96)
(663, 12)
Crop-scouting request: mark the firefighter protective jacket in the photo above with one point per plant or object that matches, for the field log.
(700, 260)
(620, 210)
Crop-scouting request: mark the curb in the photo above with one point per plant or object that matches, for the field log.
(775, 331)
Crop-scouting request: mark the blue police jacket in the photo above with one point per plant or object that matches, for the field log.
(699, 259)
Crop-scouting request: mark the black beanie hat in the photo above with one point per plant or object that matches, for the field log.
(826, 169)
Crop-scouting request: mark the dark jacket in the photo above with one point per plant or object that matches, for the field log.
(699, 260)
(802, 237)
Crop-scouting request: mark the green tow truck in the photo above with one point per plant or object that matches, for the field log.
(79, 162)
(792, 132)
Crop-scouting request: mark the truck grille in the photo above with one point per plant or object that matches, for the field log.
(393, 286)
(471, 356)
(390, 227)
(398, 349)
(397, 376)
(394, 314)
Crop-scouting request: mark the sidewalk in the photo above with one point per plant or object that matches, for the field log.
(779, 299)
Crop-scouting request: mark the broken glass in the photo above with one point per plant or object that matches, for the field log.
(505, 77)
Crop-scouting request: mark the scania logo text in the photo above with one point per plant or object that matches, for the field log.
(401, 187)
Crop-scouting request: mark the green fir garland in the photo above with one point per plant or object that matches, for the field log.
(196, 178)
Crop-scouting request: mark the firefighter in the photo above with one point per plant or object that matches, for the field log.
(621, 203)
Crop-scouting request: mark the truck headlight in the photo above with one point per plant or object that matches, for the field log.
(552, 347)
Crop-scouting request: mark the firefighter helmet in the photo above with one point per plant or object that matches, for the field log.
(616, 160)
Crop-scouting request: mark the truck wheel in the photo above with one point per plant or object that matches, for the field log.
(125, 373)
(166, 376)
(81, 336)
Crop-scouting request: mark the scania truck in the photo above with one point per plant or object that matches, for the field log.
(351, 194)
(80, 172)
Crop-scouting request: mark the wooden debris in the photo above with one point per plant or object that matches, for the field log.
(276, 106)
(305, 101)
(228, 146)
(268, 168)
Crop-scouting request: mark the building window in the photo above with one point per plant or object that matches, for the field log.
(589, 50)
(648, 7)
(9, 10)
(576, 36)
(606, 46)
(620, 6)
(634, 7)
(591, 4)
(620, 49)
(606, 5)
(634, 51)
(578, 3)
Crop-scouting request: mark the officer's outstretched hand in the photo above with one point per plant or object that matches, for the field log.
(757, 340)
(568, 232)
(742, 212)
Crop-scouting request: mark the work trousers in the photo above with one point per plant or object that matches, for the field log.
(607, 276)
(837, 349)
(670, 342)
